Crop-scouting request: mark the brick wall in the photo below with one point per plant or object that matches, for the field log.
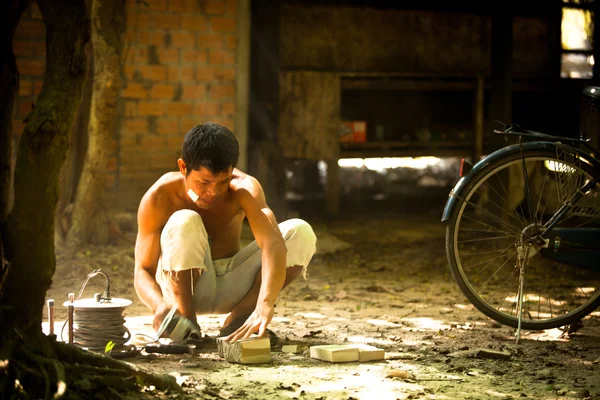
(30, 50)
(179, 67)
(179, 70)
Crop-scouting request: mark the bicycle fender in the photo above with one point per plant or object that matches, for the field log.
(457, 190)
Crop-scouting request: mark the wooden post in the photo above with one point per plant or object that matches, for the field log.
(50, 304)
(333, 187)
(70, 312)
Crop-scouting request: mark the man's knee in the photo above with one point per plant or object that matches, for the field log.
(184, 220)
(184, 243)
(299, 230)
(301, 243)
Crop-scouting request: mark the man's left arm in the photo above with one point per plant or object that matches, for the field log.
(273, 271)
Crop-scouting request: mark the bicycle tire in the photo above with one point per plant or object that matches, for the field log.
(469, 282)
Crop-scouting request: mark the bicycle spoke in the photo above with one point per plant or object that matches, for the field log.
(481, 239)
(521, 221)
(468, 217)
(492, 216)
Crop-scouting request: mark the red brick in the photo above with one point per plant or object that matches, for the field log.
(220, 57)
(40, 48)
(37, 87)
(31, 67)
(154, 142)
(167, 126)
(227, 122)
(129, 70)
(138, 19)
(151, 108)
(215, 7)
(182, 39)
(178, 109)
(25, 88)
(228, 109)
(208, 109)
(194, 23)
(186, 74)
(156, 5)
(231, 7)
(137, 55)
(231, 42)
(153, 72)
(177, 5)
(168, 56)
(188, 123)
(210, 41)
(194, 6)
(194, 92)
(136, 124)
(23, 108)
(205, 73)
(228, 73)
(24, 48)
(30, 29)
(218, 91)
(162, 91)
(194, 56)
(17, 126)
(151, 37)
(131, 108)
(134, 91)
(223, 24)
(172, 73)
(166, 21)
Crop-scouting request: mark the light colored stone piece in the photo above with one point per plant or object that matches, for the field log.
(290, 348)
(254, 350)
(369, 353)
(334, 353)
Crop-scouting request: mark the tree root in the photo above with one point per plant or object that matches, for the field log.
(49, 369)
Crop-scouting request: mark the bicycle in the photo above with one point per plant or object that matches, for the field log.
(523, 230)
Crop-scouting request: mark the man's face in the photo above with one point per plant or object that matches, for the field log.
(209, 187)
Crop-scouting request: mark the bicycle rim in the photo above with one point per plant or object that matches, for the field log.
(487, 226)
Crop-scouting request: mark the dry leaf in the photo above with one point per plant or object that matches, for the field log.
(401, 374)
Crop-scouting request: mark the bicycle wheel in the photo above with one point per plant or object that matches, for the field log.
(489, 222)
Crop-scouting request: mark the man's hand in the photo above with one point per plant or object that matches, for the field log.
(159, 315)
(257, 321)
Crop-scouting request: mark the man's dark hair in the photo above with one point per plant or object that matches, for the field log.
(211, 146)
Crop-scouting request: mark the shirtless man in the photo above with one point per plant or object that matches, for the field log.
(187, 251)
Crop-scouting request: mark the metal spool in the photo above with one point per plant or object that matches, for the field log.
(95, 324)
(98, 321)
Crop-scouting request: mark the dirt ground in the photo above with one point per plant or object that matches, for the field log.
(381, 278)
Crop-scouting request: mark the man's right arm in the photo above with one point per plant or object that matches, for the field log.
(147, 253)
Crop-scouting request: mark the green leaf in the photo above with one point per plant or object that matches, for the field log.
(109, 346)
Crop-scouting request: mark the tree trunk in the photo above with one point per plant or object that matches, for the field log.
(73, 165)
(9, 87)
(90, 223)
(42, 150)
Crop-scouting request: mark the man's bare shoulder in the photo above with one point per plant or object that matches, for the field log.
(156, 204)
(242, 181)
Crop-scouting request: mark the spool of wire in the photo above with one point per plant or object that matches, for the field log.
(98, 323)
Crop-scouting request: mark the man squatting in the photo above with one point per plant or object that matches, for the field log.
(187, 251)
